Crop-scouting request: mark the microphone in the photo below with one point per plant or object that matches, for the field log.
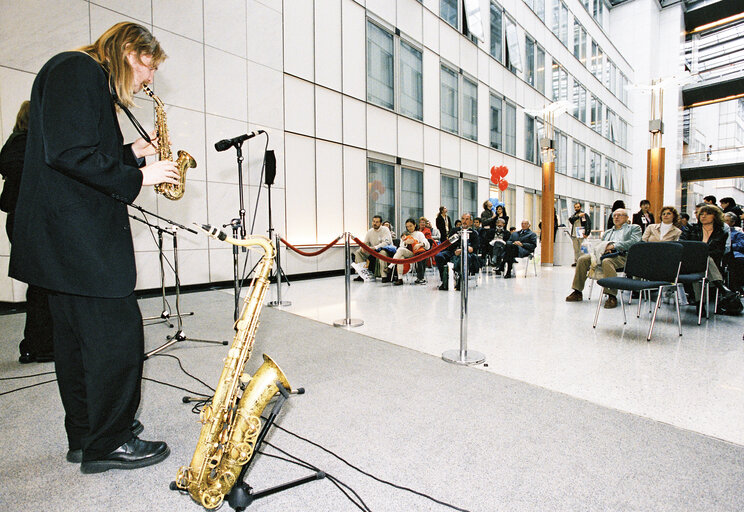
(226, 144)
(214, 232)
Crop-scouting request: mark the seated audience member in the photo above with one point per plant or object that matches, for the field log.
(458, 225)
(500, 237)
(425, 229)
(412, 242)
(512, 229)
(378, 237)
(520, 244)
(617, 204)
(729, 205)
(390, 228)
(666, 231)
(643, 217)
(435, 234)
(734, 260)
(684, 223)
(477, 227)
(709, 229)
(581, 228)
(443, 223)
(453, 253)
(617, 242)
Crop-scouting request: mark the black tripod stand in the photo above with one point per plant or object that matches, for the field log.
(173, 232)
(270, 163)
(165, 314)
(242, 494)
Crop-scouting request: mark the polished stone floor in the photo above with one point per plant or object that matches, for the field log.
(528, 332)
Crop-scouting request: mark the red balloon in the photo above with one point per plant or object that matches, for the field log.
(503, 184)
(495, 179)
(502, 171)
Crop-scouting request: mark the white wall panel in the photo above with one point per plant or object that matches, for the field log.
(221, 166)
(468, 57)
(432, 192)
(431, 31)
(410, 19)
(300, 191)
(333, 259)
(278, 210)
(484, 162)
(180, 79)
(191, 208)
(355, 191)
(221, 262)
(224, 25)
(193, 268)
(35, 30)
(449, 151)
(186, 131)
(223, 203)
(328, 118)
(354, 49)
(385, 9)
(431, 146)
(328, 43)
(265, 96)
(180, 17)
(330, 190)
(148, 271)
(255, 157)
(264, 35)
(410, 139)
(449, 43)
(381, 131)
(431, 82)
(225, 84)
(299, 106)
(102, 19)
(298, 38)
(141, 10)
(354, 122)
(468, 157)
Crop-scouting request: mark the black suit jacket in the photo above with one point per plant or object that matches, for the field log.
(528, 239)
(444, 226)
(71, 231)
(639, 220)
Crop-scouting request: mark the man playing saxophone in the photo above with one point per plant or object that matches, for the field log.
(72, 237)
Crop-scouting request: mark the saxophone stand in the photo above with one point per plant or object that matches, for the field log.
(166, 312)
(242, 494)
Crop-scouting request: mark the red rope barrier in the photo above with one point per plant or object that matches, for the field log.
(414, 259)
(314, 253)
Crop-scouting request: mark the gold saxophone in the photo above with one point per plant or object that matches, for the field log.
(184, 162)
(231, 423)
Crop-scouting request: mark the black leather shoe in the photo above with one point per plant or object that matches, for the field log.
(28, 357)
(133, 454)
(76, 456)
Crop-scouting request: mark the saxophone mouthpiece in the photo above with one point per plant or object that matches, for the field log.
(214, 232)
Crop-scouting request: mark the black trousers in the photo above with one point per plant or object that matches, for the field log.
(98, 353)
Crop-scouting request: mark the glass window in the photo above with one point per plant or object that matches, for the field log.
(556, 19)
(510, 128)
(561, 153)
(411, 82)
(449, 100)
(381, 187)
(607, 72)
(380, 89)
(564, 84)
(469, 109)
(579, 42)
(578, 170)
(556, 79)
(496, 130)
(451, 196)
(411, 194)
(496, 32)
(540, 69)
(529, 138)
(576, 99)
(529, 65)
(470, 198)
(582, 104)
(540, 9)
(513, 55)
(607, 173)
(448, 12)
(595, 169)
(564, 25)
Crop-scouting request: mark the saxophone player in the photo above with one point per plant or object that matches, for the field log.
(72, 237)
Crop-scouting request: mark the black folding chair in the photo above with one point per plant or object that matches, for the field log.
(656, 265)
(694, 269)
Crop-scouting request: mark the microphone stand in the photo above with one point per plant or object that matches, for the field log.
(278, 261)
(238, 224)
(166, 312)
(173, 231)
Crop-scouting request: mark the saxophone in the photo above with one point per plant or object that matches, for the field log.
(184, 162)
(231, 423)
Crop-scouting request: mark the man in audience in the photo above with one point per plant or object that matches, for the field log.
(729, 205)
(618, 241)
(453, 253)
(581, 228)
(378, 237)
(710, 200)
(521, 243)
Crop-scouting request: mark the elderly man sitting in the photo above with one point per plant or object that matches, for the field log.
(618, 239)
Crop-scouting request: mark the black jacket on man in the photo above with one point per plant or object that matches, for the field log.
(528, 239)
(71, 234)
(444, 225)
(586, 222)
(640, 220)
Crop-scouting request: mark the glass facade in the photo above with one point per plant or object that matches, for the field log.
(381, 191)
(380, 69)
(449, 100)
(411, 82)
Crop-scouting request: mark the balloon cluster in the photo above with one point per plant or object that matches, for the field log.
(376, 189)
(497, 177)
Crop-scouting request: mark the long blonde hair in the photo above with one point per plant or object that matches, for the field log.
(111, 49)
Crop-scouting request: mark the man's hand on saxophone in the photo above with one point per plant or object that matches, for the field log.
(142, 148)
(162, 171)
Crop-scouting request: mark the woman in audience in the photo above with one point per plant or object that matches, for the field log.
(709, 229)
(667, 230)
(617, 204)
(734, 260)
(501, 214)
(443, 222)
(412, 242)
(424, 228)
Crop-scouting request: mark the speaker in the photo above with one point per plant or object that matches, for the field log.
(270, 163)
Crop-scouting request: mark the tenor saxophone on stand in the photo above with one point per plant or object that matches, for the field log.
(231, 422)
(184, 161)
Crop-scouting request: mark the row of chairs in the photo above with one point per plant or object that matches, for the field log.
(660, 265)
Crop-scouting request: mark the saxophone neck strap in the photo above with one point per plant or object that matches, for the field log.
(137, 126)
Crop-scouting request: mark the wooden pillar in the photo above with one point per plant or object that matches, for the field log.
(655, 181)
(548, 213)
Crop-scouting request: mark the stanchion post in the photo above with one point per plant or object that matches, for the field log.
(278, 301)
(348, 321)
(463, 356)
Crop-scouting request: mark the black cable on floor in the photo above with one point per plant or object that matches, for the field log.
(180, 365)
(26, 387)
(174, 386)
(27, 376)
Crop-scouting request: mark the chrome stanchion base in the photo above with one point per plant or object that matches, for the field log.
(351, 322)
(279, 303)
(470, 357)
